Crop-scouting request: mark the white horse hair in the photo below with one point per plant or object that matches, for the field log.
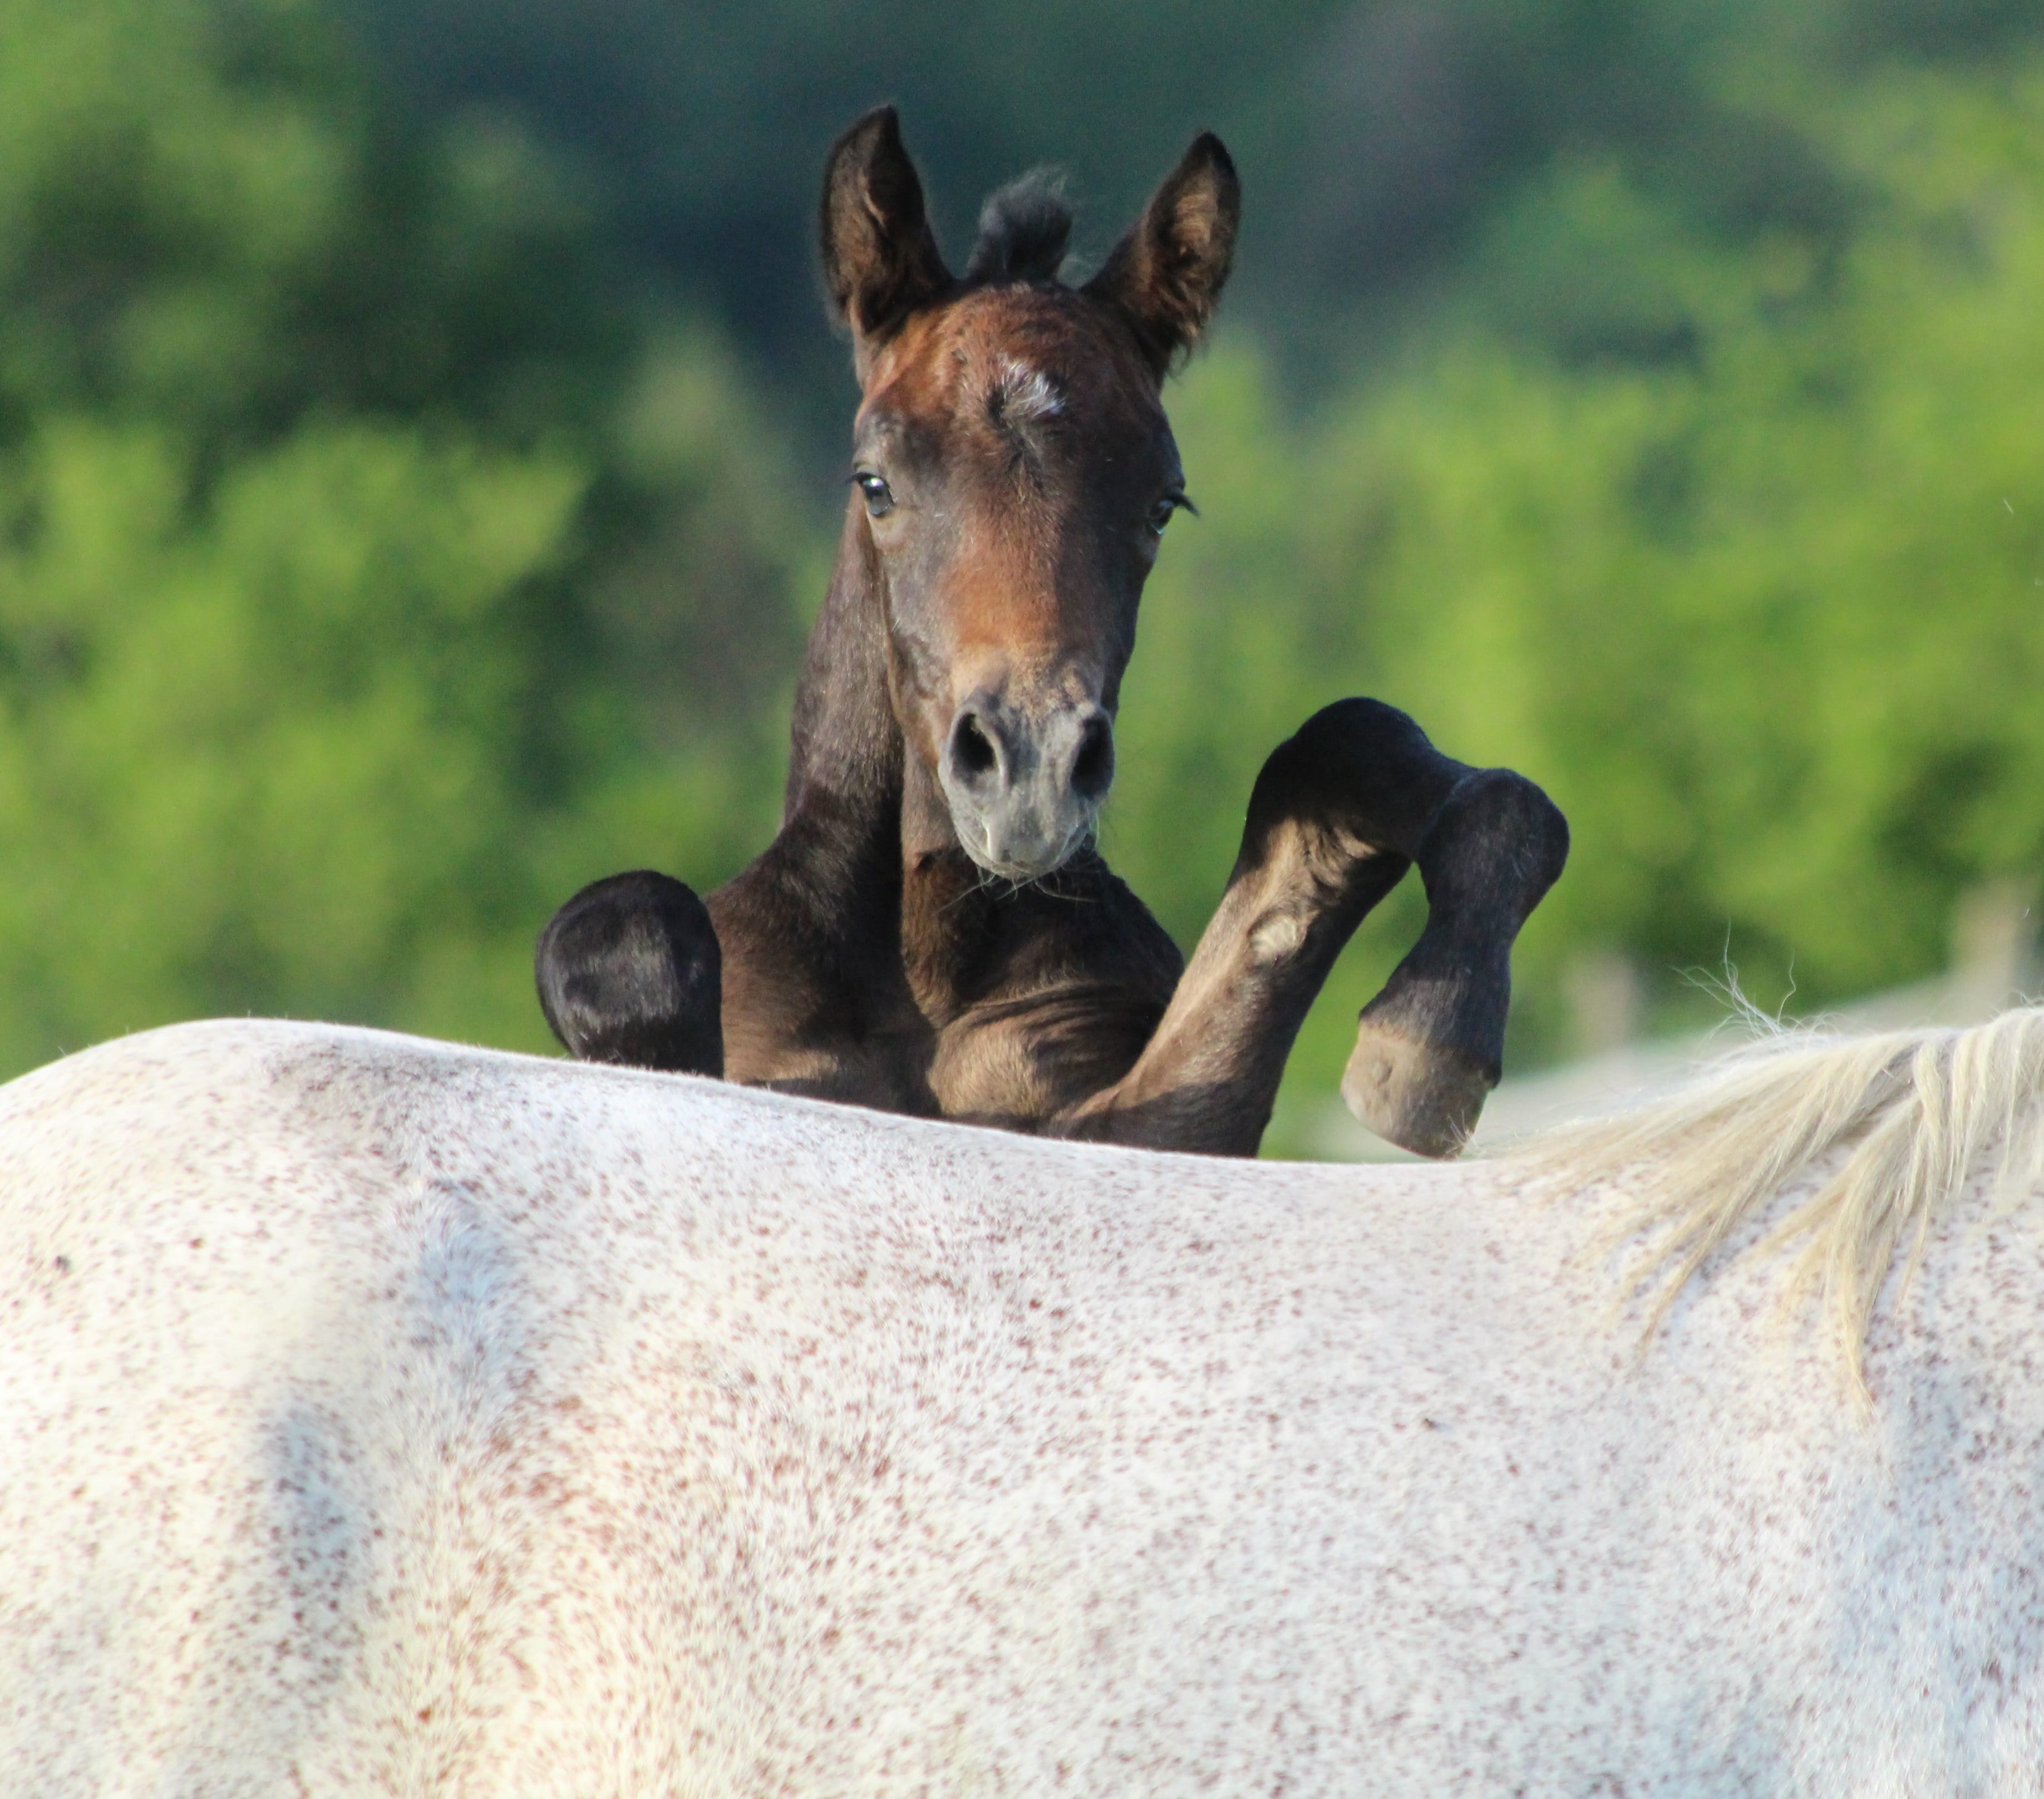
(382, 1416)
(1922, 1110)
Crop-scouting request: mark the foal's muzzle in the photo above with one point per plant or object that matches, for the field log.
(1025, 789)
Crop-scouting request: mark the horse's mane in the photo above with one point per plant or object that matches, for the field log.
(1912, 1119)
(1024, 228)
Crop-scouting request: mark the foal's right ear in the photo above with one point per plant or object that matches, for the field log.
(880, 258)
(1166, 275)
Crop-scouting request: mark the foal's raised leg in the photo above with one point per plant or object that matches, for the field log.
(1339, 813)
(629, 971)
(1430, 1046)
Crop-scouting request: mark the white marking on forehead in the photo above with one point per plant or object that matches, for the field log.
(1022, 395)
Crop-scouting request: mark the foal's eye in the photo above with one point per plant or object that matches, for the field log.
(879, 496)
(1160, 514)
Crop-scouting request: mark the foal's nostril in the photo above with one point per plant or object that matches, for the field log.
(972, 750)
(1093, 768)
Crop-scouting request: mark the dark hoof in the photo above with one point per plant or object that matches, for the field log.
(629, 971)
(1431, 1047)
(1423, 1097)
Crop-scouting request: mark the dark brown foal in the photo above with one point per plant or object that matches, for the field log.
(932, 931)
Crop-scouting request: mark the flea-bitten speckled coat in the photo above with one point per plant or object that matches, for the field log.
(378, 1416)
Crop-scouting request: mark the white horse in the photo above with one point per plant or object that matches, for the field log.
(382, 1416)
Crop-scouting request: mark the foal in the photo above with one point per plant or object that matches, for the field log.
(932, 931)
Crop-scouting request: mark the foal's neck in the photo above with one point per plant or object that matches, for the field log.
(866, 822)
(843, 796)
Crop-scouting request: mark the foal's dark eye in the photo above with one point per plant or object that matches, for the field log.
(1160, 514)
(879, 496)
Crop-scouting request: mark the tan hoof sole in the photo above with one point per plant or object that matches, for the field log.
(1422, 1098)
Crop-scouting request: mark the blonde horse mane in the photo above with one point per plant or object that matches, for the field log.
(1912, 1117)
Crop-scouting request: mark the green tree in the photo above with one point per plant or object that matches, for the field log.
(342, 481)
(263, 760)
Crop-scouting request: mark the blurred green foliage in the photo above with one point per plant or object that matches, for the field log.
(1379, 138)
(1766, 616)
(1643, 395)
(355, 537)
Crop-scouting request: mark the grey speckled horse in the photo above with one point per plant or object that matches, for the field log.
(382, 1416)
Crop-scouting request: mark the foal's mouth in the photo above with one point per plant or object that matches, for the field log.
(975, 839)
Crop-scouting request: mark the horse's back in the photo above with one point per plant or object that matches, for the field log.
(380, 1416)
(377, 1415)
(305, 1331)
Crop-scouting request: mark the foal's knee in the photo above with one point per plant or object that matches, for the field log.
(629, 971)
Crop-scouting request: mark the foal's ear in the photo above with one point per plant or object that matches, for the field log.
(880, 259)
(1167, 273)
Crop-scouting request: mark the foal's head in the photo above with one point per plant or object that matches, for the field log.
(1013, 472)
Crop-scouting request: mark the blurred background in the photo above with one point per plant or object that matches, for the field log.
(421, 444)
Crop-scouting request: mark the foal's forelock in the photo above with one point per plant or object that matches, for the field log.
(1024, 228)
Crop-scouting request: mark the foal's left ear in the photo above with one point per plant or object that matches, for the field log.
(1167, 273)
(880, 257)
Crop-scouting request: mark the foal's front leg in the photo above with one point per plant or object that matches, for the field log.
(1339, 813)
(630, 971)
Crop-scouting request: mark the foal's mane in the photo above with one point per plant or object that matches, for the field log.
(1912, 1119)
(1024, 230)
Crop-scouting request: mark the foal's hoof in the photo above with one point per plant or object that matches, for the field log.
(629, 971)
(1431, 1047)
(1424, 1096)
